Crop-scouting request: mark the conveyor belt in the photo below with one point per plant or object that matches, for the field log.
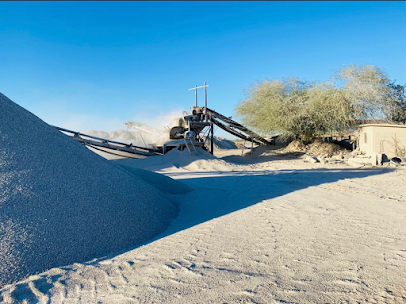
(93, 141)
(233, 127)
(225, 123)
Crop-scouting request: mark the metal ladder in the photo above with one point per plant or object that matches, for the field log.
(190, 146)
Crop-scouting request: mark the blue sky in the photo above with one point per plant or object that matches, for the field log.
(95, 65)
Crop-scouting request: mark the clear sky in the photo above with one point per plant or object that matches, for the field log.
(95, 65)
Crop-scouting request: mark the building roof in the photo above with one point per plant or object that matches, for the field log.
(358, 122)
(382, 125)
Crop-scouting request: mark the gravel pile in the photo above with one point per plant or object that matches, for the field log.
(220, 143)
(61, 203)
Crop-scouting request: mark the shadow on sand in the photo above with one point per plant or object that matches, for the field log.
(226, 192)
(260, 154)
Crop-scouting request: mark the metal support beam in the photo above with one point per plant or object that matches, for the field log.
(195, 88)
(211, 139)
(205, 102)
(196, 94)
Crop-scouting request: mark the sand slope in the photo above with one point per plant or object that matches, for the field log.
(61, 203)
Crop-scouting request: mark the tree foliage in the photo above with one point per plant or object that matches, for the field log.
(396, 109)
(366, 87)
(295, 108)
(304, 109)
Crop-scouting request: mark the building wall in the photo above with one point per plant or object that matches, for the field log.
(376, 139)
(365, 140)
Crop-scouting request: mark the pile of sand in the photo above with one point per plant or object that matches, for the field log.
(61, 203)
(174, 158)
(220, 143)
(295, 146)
(317, 148)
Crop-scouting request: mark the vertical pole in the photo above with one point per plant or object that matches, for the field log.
(196, 94)
(205, 102)
(211, 139)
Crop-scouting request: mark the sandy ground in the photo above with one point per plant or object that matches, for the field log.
(269, 229)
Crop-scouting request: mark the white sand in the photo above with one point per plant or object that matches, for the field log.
(265, 229)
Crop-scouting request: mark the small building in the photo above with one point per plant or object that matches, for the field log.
(386, 139)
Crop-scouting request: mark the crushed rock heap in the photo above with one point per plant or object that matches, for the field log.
(61, 203)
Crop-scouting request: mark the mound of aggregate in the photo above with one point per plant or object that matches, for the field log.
(61, 203)
(222, 143)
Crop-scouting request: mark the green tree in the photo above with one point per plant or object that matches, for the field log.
(294, 108)
(304, 109)
(366, 87)
(396, 109)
